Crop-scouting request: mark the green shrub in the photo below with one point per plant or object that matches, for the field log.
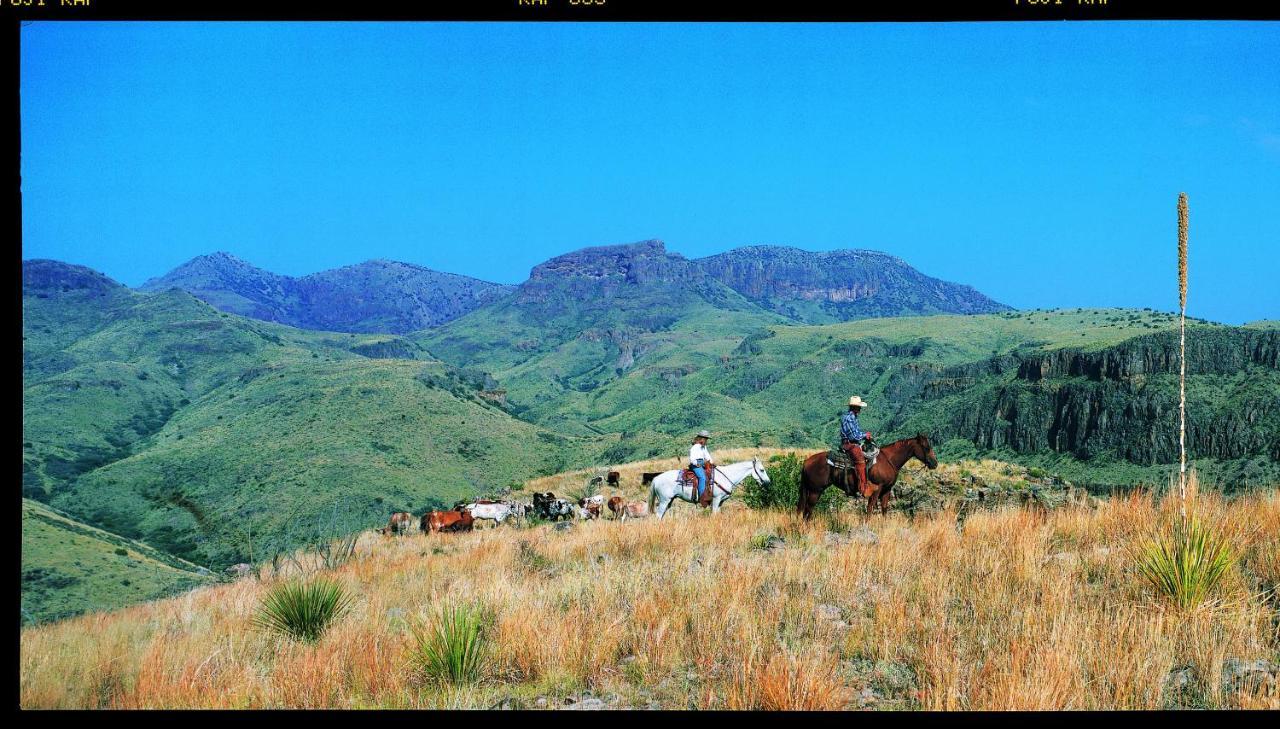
(1186, 563)
(762, 540)
(783, 489)
(303, 611)
(452, 649)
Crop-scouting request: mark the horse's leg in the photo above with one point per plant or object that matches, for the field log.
(884, 502)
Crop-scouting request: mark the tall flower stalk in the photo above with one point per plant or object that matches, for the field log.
(1182, 352)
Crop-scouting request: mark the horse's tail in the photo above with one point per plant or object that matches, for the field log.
(653, 495)
(802, 490)
(802, 495)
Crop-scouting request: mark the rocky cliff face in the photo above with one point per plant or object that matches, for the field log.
(1121, 401)
(604, 273)
(839, 285)
(375, 296)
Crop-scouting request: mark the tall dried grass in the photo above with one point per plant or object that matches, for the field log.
(1011, 610)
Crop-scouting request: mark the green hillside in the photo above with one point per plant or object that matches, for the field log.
(221, 439)
(585, 321)
(69, 568)
(291, 443)
(104, 367)
(944, 375)
(166, 420)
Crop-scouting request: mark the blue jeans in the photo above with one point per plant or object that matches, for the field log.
(701, 473)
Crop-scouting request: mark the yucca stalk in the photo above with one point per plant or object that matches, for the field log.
(1182, 352)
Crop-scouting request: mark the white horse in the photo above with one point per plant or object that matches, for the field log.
(665, 488)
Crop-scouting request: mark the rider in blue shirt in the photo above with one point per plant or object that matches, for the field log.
(851, 437)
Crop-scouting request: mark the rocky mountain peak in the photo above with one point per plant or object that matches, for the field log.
(220, 268)
(640, 262)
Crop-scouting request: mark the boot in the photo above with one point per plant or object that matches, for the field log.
(863, 486)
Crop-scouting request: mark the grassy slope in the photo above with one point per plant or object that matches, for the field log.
(365, 434)
(158, 417)
(69, 567)
(697, 362)
(96, 380)
(552, 355)
(742, 610)
(785, 384)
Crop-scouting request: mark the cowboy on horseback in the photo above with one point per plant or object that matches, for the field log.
(851, 437)
(701, 464)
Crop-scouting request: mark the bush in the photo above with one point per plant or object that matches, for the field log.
(303, 611)
(452, 649)
(1186, 563)
(783, 489)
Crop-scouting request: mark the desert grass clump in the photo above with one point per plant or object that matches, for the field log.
(1186, 563)
(303, 611)
(452, 648)
(785, 682)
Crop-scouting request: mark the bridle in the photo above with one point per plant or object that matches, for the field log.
(754, 472)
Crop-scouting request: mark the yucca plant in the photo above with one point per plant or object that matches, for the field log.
(1186, 563)
(452, 648)
(303, 611)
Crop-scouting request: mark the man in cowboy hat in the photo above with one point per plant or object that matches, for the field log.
(700, 463)
(851, 436)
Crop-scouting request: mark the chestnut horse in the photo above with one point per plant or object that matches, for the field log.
(816, 475)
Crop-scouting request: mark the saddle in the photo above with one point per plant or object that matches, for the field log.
(837, 458)
(689, 480)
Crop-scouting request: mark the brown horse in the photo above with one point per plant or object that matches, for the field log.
(816, 475)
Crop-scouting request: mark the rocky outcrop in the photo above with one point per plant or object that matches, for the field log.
(1210, 350)
(820, 287)
(645, 262)
(396, 348)
(1120, 401)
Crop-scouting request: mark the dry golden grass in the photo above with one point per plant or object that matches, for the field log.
(1015, 610)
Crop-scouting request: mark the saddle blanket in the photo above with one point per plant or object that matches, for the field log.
(837, 458)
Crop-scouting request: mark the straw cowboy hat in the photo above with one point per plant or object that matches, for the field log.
(856, 401)
(703, 434)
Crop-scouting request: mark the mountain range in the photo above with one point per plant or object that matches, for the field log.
(374, 296)
(388, 296)
(215, 437)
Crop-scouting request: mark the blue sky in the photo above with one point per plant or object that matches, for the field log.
(1038, 162)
